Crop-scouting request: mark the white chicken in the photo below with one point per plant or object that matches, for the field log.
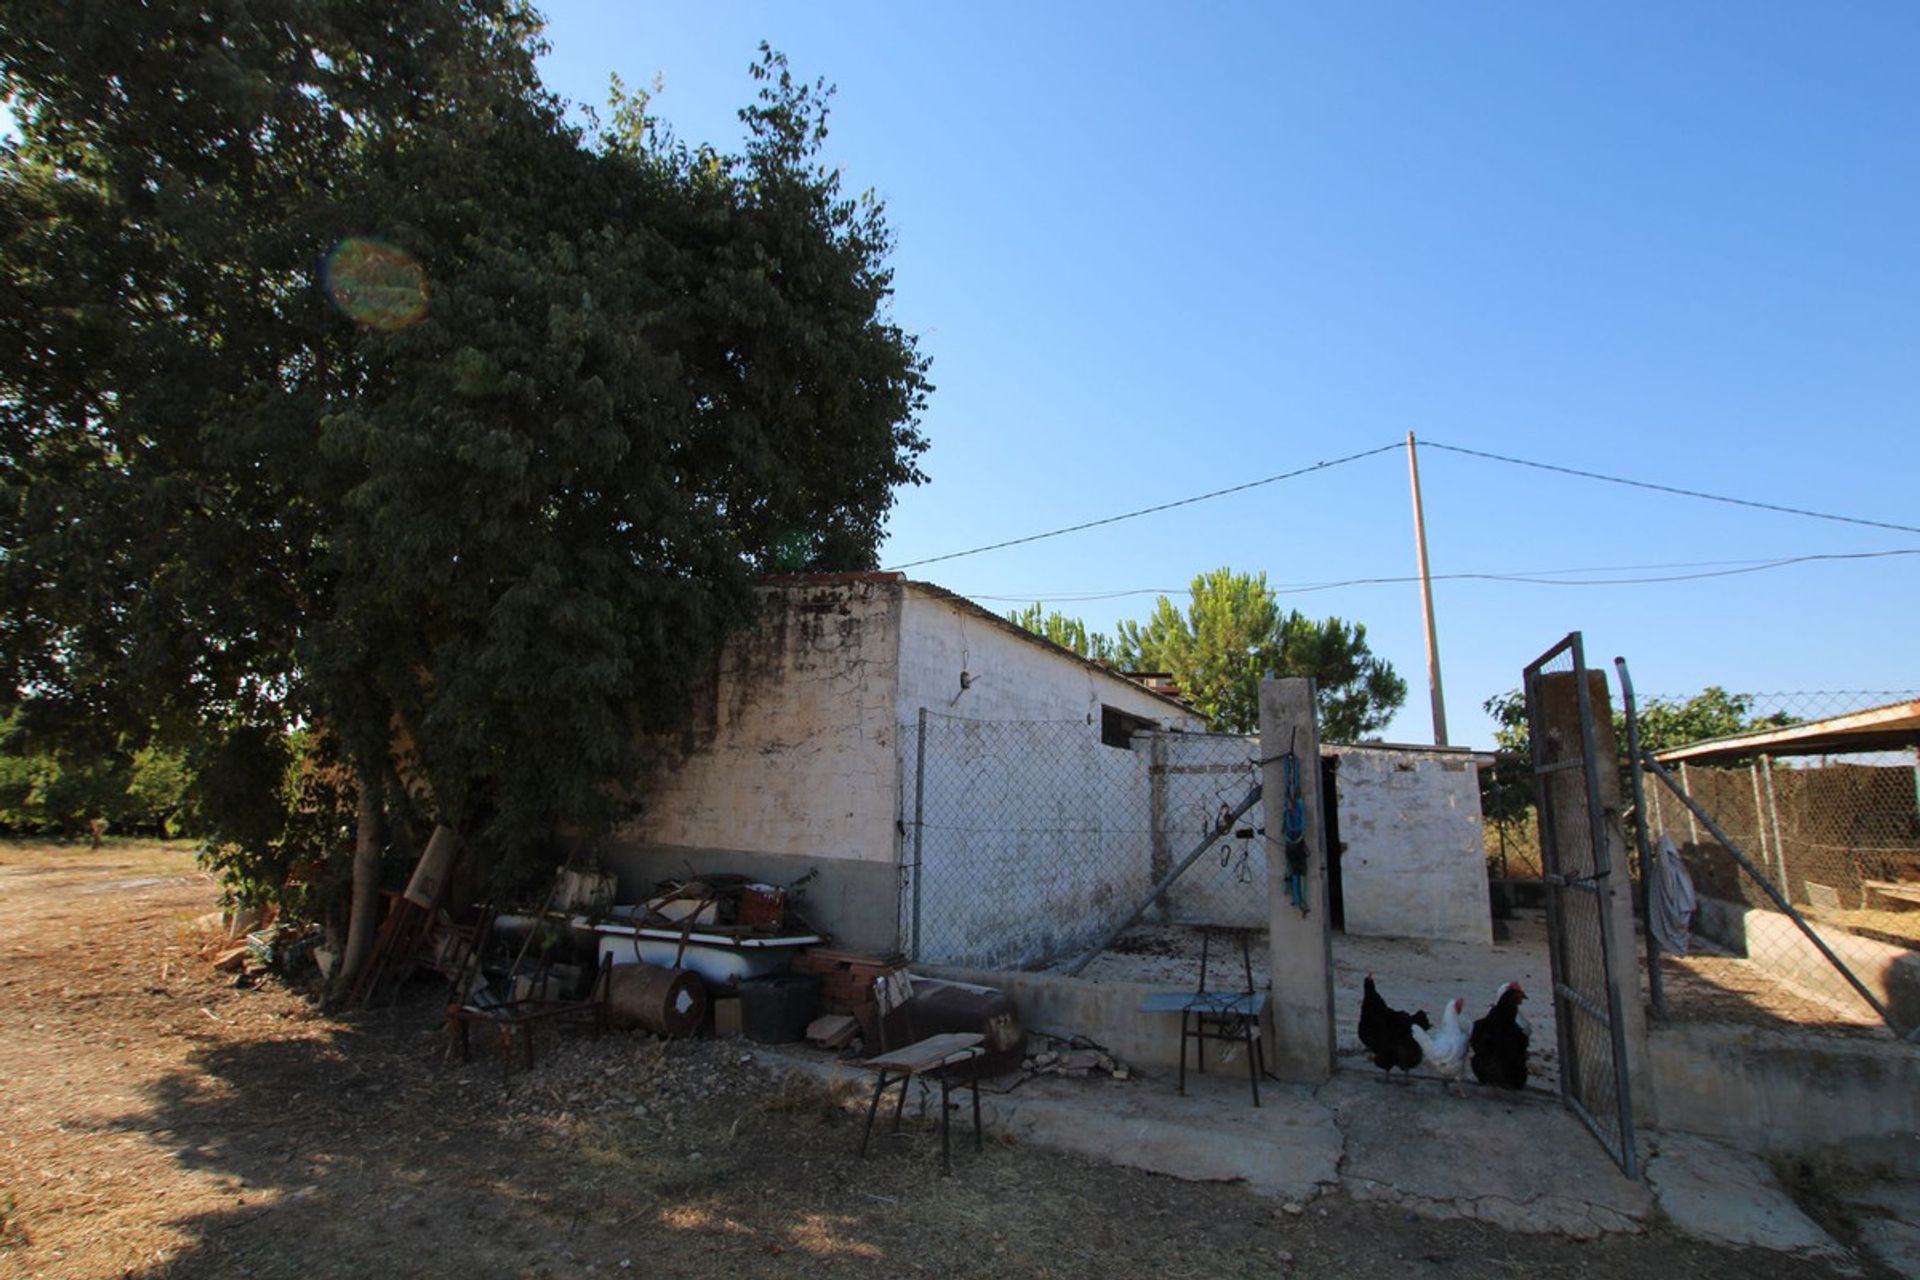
(1446, 1049)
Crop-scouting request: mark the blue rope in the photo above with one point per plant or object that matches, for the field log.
(1293, 831)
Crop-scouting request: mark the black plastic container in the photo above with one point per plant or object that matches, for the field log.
(776, 1010)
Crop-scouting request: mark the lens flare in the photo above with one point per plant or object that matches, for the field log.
(375, 283)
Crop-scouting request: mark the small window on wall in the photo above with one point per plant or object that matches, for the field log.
(1117, 727)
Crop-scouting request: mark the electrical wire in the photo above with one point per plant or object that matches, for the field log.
(1667, 488)
(1147, 511)
(1538, 577)
(1449, 448)
(1761, 567)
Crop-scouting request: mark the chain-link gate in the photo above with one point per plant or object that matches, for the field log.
(1577, 864)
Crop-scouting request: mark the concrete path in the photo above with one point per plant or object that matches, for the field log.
(1716, 1193)
(1521, 1162)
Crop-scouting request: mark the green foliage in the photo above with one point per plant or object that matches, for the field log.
(278, 809)
(343, 382)
(1233, 632)
(1068, 633)
(1711, 713)
(52, 785)
(1508, 789)
(1663, 722)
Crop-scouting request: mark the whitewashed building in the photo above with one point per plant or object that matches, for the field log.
(1051, 794)
(800, 756)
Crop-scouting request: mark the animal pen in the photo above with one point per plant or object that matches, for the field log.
(1800, 844)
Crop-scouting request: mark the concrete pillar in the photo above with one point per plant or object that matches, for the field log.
(1300, 1045)
(1566, 792)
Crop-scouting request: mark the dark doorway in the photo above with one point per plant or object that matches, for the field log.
(1330, 810)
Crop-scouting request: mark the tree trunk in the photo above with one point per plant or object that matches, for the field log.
(363, 921)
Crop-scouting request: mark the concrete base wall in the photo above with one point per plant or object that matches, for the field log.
(1783, 1091)
(1771, 939)
(856, 902)
(1106, 1012)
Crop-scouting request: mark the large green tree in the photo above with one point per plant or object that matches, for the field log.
(1232, 632)
(1068, 633)
(343, 380)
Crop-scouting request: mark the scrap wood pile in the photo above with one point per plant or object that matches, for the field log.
(1071, 1056)
(733, 905)
(249, 942)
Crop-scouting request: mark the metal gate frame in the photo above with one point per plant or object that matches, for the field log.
(1577, 869)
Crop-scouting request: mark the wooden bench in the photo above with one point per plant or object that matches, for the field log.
(934, 1056)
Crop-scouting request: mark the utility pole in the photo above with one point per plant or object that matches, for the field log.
(1426, 600)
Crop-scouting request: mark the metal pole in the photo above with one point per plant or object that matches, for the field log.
(1166, 882)
(1601, 872)
(1759, 825)
(1779, 899)
(1656, 986)
(1426, 599)
(919, 822)
(1693, 828)
(1773, 819)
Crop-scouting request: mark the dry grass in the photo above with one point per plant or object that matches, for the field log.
(118, 854)
(157, 1121)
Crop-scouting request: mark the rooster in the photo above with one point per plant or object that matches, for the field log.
(1446, 1048)
(1499, 1041)
(1388, 1033)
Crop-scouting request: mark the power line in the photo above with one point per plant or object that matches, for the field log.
(1665, 488)
(1147, 511)
(1538, 577)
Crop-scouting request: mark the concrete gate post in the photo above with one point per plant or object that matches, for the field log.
(1560, 713)
(1300, 1046)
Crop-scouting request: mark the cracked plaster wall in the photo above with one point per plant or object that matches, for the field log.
(788, 764)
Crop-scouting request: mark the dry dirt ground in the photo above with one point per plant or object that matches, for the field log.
(156, 1120)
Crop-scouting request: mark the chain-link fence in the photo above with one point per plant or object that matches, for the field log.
(1030, 840)
(1803, 866)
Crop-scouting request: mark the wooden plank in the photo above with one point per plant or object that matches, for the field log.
(1890, 889)
(925, 1055)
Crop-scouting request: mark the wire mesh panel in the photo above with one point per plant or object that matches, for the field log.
(1197, 780)
(1032, 837)
(1804, 872)
(1032, 840)
(1576, 860)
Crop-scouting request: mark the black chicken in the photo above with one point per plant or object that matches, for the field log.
(1388, 1033)
(1499, 1042)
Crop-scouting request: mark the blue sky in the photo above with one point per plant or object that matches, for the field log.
(1156, 251)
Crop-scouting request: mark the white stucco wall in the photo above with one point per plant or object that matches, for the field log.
(1415, 864)
(1010, 676)
(792, 751)
(1036, 836)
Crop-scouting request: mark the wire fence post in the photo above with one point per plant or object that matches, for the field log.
(1773, 821)
(1656, 989)
(919, 821)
